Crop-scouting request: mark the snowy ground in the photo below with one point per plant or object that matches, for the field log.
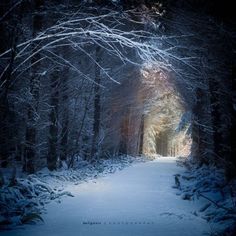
(139, 200)
(23, 198)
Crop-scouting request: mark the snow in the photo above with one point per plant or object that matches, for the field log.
(23, 198)
(138, 200)
(209, 184)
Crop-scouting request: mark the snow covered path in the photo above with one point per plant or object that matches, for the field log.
(137, 201)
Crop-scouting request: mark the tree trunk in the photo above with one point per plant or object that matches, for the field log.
(141, 135)
(31, 130)
(97, 106)
(53, 129)
(198, 132)
(4, 109)
(233, 123)
(215, 114)
(65, 120)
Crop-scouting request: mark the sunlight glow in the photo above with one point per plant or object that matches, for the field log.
(164, 131)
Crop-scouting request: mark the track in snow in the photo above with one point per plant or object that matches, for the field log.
(137, 201)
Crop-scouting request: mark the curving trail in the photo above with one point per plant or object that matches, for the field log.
(137, 201)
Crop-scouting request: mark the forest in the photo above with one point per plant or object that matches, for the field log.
(93, 88)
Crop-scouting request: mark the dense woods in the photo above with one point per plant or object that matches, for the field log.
(91, 81)
(71, 78)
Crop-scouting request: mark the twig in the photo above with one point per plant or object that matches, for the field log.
(230, 210)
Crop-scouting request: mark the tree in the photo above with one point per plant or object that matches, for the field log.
(53, 118)
(65, 116)
(31, 130)
(97, 104)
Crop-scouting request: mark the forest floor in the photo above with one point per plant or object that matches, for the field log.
(147, 198)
